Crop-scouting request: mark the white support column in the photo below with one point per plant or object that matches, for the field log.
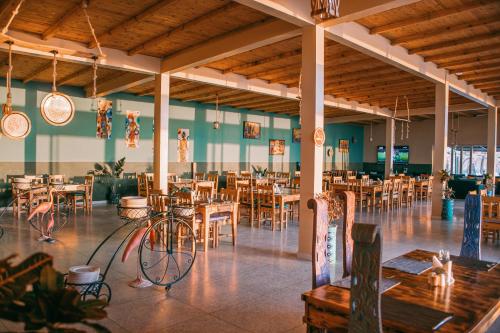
(492, 141)
(312, 115)
(160, 162)
(440, 145)
(389, 146)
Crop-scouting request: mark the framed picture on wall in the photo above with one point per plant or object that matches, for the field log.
(276, 147)
(251, 130)
(343, 145)
(295, 134)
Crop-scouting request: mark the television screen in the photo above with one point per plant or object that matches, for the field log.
(401, 154)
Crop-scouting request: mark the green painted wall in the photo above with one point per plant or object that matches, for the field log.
(73, 149)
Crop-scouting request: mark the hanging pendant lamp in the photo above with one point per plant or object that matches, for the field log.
(324, 9)
(14, 124)
(216, 123)
(57, 108)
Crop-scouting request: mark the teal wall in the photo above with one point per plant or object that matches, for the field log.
(73, 149)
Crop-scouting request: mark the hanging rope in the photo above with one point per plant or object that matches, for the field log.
(408, 113)
(300, 97)
(8, 107)
(54, 71)
(94, 78)
(11, 18)
(371, 131)
(92, 31)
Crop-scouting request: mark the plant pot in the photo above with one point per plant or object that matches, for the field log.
(447, 211)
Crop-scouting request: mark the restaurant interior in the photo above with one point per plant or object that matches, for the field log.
(249, 166)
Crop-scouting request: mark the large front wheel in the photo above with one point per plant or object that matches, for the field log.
(167, 251)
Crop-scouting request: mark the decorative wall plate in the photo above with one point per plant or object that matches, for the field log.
(57, 109)
(16, 125)
(319, 136)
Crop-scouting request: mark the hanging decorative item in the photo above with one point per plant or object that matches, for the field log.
(319, 136)
(14, 124)
(371, 131)
(182, 144)
(132, 129)
(324, 9)
(216, 123)
(104, 119)
(408, 117)
(57, 108)
(299, 97)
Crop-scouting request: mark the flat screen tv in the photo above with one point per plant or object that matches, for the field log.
(401, 154)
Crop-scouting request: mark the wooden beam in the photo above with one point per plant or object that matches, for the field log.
(443, 32)
(454, 42)
(67, 16)
(490, 73)
(382, 88)
(476, 68)
(37, 71)
(150, 91)
(224, 96)
(431, 16)
(460, 53)
(229, 44)
(129, 22)
(265, 103)
(377, 79)
(288, 55)
(115, 83)
(6, 10)
(74, 75)
(488, 80)
(467, 61)
(207, 16)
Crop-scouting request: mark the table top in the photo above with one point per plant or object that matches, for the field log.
(474, 298)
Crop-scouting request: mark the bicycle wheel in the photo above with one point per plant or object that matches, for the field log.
(167, 251)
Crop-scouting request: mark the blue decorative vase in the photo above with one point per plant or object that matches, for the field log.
(447, 212)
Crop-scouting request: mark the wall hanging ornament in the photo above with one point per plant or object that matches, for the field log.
(182, 144)
(104, 119)
(324, 9)
(132, 129)
(371, 131)
(216, 123)
(57, 108)
(14, 124)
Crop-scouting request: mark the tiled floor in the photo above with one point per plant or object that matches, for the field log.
(254, 287)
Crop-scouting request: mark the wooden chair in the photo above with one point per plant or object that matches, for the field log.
(361, 195)
(245, 174)
(89, 190)
(271, 174)
(231, 181)
(56, 179)
(20, 197)
(296, 182)
(491, 218)
(227, 195)
(296, 174)
(142, 186)
(267, 204)
(199, 176)
(130, 175)
(205, 192)
(383, 197)
(337, 180)
(247, 202)
(214, 177)
(352, 184)
(396, 193)
(84, 196)
(159, 201)
(365, 179)
(172, 177)
(409, 192)
(366, 278)
(471, 241)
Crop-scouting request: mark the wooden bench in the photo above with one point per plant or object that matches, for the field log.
(491, 217)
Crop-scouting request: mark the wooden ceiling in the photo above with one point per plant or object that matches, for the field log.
(461, 36)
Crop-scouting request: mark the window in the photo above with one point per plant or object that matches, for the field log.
(469, 160)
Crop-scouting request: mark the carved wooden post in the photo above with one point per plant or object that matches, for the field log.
(320, 269)
(471, 241)
(366, 276)
(349, 209)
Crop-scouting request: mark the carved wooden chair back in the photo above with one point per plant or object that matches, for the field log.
(130, 175)
(351, 183)
(199, 176)
(185, 197)
(242, 182)
(320, 265)
(349, 204)
(284, 175)
(491, 216)
(365, 179)
(214, 177)
(366, 277)
(204, 183)
(265, 196)
(89, 189)
(204, 192)
(246, 194)
(229, 194)
(471, 241)
(231, 181)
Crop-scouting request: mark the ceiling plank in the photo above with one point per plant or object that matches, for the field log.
(153, 42)
(74, 75)
(37, 71)
(443, 32)
(454, 42)
(126, 24)
(430, 16)
(476, 68)
(115, 83)
(288, 55)
(490, 73)
(459, 53)
(467, 61)
(229, 44)
(68, 15)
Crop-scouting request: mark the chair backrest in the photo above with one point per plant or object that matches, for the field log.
(245, 174)
(296, 182)
(320, 265)
(365, 179)
(491, 209)
(386, 187)
(129, 175)
(214, 177)
(204, 192)
(366, 277)
(271, 174)
(337, 180)
(56, 179)
(411, 186)
(296, 174)
(231, 181)
(429, 186)
(185, 197)
(149, 176)
(471, 241)
(284, 175)
(142, 185)
(396, 186)
(229, 194)
(199, 176)
(246, 194)
(351, 183)
(89, 181)
(349, 201)
(159, 202)
(205, 183)
(265, 195)
(172, 177)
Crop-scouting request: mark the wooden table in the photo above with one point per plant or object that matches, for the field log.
(371, 189)
(287, 195)
(474, 300)
(206, 209)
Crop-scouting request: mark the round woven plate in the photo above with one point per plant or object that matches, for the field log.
(16, 125)
(57, 109)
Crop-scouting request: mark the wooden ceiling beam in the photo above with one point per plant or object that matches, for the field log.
(384, 88)
(207, 16)
(431, 16)
(367, 80)
(387, 84)
(487, 80)
(65, 18)
(285, 55)
(460, 53)
(129, 22)
(476, 68)
(486, 74)
(251, 100)
(224, 96)
(262, 33)
(393, 92)
(486, 85)
(115, 83)
(150, 91)
(454, 43)
(264, 104)
(443, 32)
(467, 61)
(37, 71)
(74, 75)
(192, 92)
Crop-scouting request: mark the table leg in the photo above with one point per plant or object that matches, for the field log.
(282, 211)
(234, 223)
(206, 228)
(252, 212)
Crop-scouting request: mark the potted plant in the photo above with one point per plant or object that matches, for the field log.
(490, 184)
(447, 196)
(108, 174)
(259, 171)
(33, 293)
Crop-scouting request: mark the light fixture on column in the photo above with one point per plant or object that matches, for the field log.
(324, 9)
(216, 123)
(371, 131)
